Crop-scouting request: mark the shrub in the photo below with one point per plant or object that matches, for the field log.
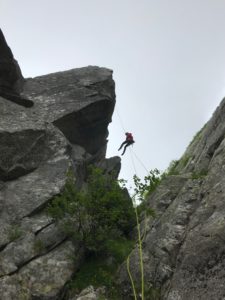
(171, 170)
(151, 181)
(101, 210)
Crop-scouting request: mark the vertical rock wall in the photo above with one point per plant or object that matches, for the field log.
(184, 246)
(66, 126)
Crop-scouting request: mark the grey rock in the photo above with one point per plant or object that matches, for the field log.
(79, 102)
(65, 129)
(11, 78)
(10, 73)
(44, 277)
(111, 165)
(90, 293)
(183, 247)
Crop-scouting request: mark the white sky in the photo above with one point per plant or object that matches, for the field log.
(168, 58)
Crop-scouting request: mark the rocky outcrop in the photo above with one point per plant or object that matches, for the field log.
(90, 293)
(11, 78)
(61, 124)
(65, 128)
(184, 249)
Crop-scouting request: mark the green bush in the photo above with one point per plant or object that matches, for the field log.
(100, 270)
(171, 170)
(101, 210)
(151, 181)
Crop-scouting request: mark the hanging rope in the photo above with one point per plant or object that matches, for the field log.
(122, 126)
(138, 230)
(140, 162)
(132, 159)
(120, 119)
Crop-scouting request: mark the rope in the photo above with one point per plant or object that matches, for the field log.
(120, 119)
(132, 159)
(140, 238)
(131, 278)
(140, 162)
(122, 126)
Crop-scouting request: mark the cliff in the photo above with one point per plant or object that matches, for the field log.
(64, 126)
(183, 247)
(54, 123)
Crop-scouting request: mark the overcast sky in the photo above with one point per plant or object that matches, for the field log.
(168, 59)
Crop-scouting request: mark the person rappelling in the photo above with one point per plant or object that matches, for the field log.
(129, 141)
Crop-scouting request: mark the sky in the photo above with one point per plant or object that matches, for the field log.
(167, 57)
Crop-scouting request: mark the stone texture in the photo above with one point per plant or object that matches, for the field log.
(11, 78)
(44, 277)
(66, 128)
(10, 73)
(79, 102)
(90, 293)
(183, 247)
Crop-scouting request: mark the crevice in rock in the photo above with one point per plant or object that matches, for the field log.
(44, 227)
(14, 173)
(48, 250)
(22, 153)
(17, 99)
(211, 150)
(37, 210)
(2, 247)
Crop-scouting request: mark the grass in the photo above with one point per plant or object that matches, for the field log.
(198, 135)
(14, 233)
(99, 270)
(39, 246)
(199, 175)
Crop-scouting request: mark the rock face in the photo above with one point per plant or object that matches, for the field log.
(184, 248)
(11, 77)
(65, 128)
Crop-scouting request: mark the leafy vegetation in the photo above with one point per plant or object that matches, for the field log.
(101, 210)
(100, 270)
(101, 216)
(199, 175)
(171, 170)
(143, 189)
(184, 161)
(151, 181)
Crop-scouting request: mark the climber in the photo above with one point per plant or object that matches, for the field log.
(129, 141)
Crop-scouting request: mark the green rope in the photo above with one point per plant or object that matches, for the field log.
(131, 278)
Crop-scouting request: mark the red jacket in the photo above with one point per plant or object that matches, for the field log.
(129, 137)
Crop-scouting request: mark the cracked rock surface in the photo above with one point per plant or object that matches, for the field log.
(184, 246)
(65, 128)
